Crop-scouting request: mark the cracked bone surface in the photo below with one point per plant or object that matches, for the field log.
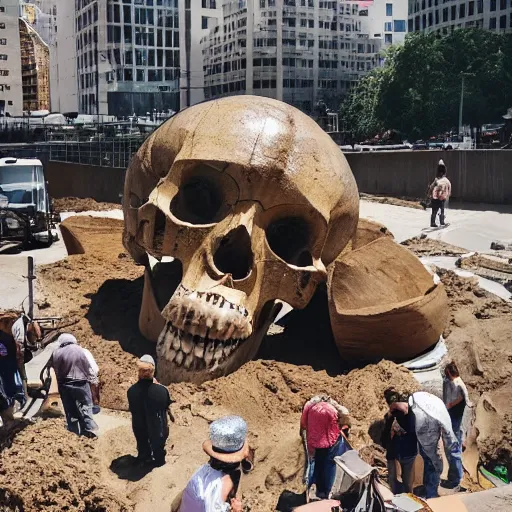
(253, 200)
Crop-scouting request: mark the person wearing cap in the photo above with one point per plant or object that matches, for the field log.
(432, 422)
(440, 191)
(216, 485)
(149, 403)
(401, 443)
(73, 371)
(326, 424)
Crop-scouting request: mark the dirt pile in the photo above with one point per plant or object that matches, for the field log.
(56, 471)
(424, 246)
(478, 339)
(77, 204)
(100, 292)
(395, 201)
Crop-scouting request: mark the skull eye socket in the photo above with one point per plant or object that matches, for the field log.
(289, 239)
(198, 201)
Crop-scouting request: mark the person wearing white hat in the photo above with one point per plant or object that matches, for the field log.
(149, 403)
(215, 486)
(74, 372)
(440, 191)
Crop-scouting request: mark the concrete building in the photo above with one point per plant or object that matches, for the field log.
(197, 18)
(298, 51)
(442, 16)
(35, 69)
(11, 97)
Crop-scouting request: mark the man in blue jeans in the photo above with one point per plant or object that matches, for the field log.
(401, 443)
(432, 423)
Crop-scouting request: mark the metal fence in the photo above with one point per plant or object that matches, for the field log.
(115, 152)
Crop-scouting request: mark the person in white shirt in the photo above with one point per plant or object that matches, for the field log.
(214, 486)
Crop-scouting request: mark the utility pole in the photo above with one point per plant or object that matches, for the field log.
(31, 278)
(461, 104)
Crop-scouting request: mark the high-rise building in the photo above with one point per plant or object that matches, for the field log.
(298, 51)
(11, 97)
(443, 17)
(35, 69)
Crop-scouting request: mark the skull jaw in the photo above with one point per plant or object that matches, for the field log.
(169, 371)
(152, 323)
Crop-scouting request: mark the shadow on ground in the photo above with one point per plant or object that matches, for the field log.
(126, 467)
(306, 339)
(114, 314)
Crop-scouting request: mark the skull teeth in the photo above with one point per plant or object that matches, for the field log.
(195, 352)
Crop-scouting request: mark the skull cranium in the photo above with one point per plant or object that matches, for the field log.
(251, 200)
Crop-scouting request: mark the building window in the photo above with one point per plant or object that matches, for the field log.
(9, 102)
(3, 56)
(388, 38)
(493, 5)
(2, 25)
(388, 26)
(454, 12)
(462, 10)
(471, 8)
(445, 14)
(2, 8)
(389, 9)
(399, 26)
(207, 4)
(204, 22)
(4, 72)
(503, 4)
(503, 21)
(492, 23)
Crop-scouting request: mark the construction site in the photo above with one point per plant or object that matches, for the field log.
(376, 299)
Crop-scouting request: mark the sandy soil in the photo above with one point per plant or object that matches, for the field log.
(77, 204)
(101, 291)
(396, 201)
(423, 246)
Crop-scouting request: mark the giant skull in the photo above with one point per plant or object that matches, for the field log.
(243, 201)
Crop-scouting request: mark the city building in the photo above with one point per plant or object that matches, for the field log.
(197, 18)
(443, 17)
(35, 69)
(11, 96)
(298, 51)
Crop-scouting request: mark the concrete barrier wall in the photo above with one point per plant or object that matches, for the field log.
(79, 180)
(481, 176)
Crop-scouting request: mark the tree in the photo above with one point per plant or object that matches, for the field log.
(417, 91)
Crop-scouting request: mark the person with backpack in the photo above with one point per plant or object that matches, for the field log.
(439, 192)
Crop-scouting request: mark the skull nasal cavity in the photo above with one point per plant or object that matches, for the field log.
(234, 255)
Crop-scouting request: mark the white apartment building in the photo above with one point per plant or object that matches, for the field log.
(11, 92)
(443, 16)
(298, 51)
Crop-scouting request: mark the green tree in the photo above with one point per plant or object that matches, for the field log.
(417, 91)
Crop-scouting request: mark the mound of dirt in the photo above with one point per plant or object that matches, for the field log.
(77, 204)
(407, 202)
(424, 246)
(49, 469)
(101, 292)
(478, 338)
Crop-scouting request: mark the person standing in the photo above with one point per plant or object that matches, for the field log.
(149, 404)
(11, 387)
(440, 192)
(432, 422)
(73, 372)
(401, 443)
(214, 486)
(323, 420)
(456, 399)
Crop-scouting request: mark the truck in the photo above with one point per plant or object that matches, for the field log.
(27, 217)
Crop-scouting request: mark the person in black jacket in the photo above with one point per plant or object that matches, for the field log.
(399, 439)
(149, 403)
